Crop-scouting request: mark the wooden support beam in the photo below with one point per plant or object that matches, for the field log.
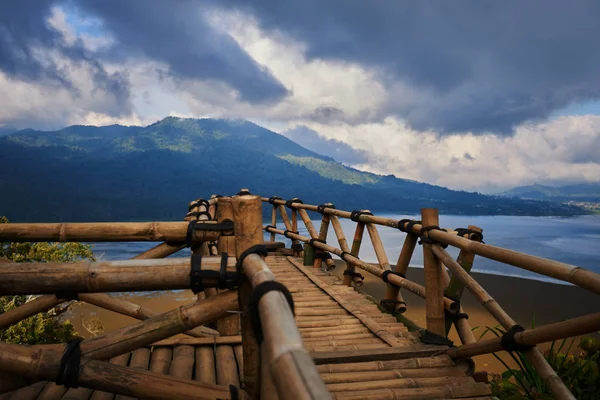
(350, 268)
(330, 265)
(434, 301)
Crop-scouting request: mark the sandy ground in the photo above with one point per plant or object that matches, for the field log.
(527, 301)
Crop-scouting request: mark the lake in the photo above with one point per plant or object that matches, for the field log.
(572, 240)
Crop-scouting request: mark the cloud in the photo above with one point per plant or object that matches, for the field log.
(467, 66)
(556, 151)
(336, 149)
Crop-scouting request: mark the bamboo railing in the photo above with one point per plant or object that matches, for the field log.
(441, 292)
(254, 316)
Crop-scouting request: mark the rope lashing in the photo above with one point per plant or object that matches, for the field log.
(266, 228)
(312, 241)
(196, 225)
(224, 278)
(198, 203)
(345, 253)
(321, 208)
(273, 198)
(287, 232)
(429, 337)
(356, 214)
(509, 343)
(409, 226)
(353, 274)
(385, 276)
(259, 249)
(198, 214)
(234, 392)
(324, 256)
(424, 237)
(477, 236)
(288, 203)
(297, 247)
(243, 193)
(258, 292)
(68, 373)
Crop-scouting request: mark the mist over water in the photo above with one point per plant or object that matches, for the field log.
(573, 240)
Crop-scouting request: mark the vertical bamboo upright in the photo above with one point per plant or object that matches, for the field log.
(247, 213)
(434, 300)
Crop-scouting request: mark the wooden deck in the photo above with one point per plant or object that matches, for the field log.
(360, 352)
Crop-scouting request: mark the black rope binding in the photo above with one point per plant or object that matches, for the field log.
(478, 236)
(198, 214)
(321, 208)
(390, 304)
(68, 374)
(225, 279)
(234, 392)
(353, 274)
(429, 337)
(198, 203)
(312, 241)
(385, 276)
(259, 249)
(243, 193)
(297, 247)
(286, 233)
(356, 214)
(258, 292)
(424, 237)
(509, 343)
(325, 255)
(269, 226)
(344, 254)
(273, 198)
(288, 203)
(409, 227)
(196, 225)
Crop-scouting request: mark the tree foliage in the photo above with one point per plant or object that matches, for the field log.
(45, 327)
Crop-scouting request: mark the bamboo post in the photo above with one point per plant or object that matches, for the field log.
(323, 230)
(313, 234)
(559, 390)
(101, 375)
(199, 209)
(273, 220)
(356, 242)
(339, 233)
(286, 221)
(392, 293)
(171, 232)
(161, 250)
(226, 244)
(247, 217)
(434, 301)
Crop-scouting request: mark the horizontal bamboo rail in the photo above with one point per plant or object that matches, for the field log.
(450, 305)
(103, 276)
(106, 232)
(554, 269)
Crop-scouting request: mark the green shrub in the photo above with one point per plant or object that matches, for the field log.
(45, 327)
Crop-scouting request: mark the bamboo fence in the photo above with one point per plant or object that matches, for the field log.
(258, 347)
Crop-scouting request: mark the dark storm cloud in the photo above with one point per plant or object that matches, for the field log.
(24, 30)
(340, 151)
(476, 65)
(178, 33)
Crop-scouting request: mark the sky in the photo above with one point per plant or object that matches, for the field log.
(473, 95)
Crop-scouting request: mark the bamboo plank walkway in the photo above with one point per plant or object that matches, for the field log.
(360, 352)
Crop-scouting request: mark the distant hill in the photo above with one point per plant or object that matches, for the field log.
(589, 192)
(133, 173)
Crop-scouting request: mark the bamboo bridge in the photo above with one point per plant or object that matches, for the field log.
(270, 322)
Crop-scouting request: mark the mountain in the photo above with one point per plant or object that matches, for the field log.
(87, 173)
(584, 192)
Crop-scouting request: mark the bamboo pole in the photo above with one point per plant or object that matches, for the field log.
(531, 337)
(273, 221)
(135, 311)
(350, 268)
(247, 217)
(330, 265)
(226, 244)
(286, 221)
(39, 304)
(392, 293)
(554, 269)
(200, 211)
(161, 250)
(412, 287)
(559, 390)
(40, 364)
(105, 276)
(293, 372)
(103, 232)
(323, 230)
(434, 301)
(343, 243)
(408, 248)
